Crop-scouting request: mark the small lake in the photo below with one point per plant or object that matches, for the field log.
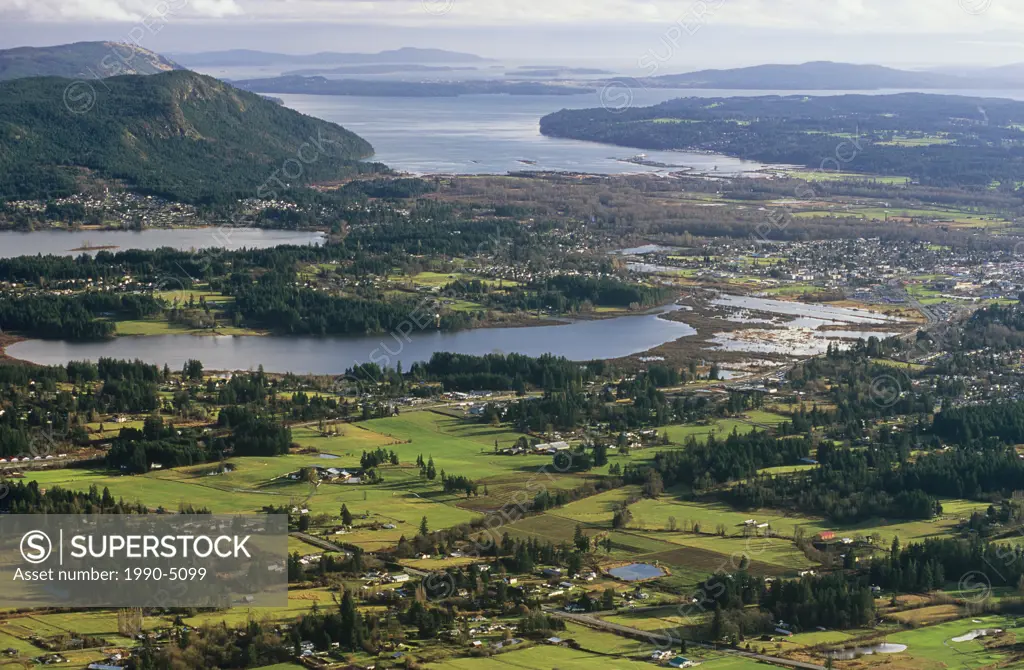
(637, 572)
(579, 341)
(73, 243)
(855, 652)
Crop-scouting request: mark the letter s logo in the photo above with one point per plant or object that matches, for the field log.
(36, 547)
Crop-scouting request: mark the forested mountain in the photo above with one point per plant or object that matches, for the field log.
(82, 60)
(180, 135)
(819, 75)
(937, 139)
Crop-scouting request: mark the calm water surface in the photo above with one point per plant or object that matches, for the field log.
(637, 572)
(65, 243)
(580, 341)
(492, 134)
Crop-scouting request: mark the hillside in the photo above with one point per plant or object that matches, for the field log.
(937, 139)
(82, 60)
(821, 75)
(245, 57)
(179, 134)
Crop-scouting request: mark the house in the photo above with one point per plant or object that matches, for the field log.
(826, 536)
(552, 572)
(399, 578)
(555, 641)
(551, 447)
(681, 662)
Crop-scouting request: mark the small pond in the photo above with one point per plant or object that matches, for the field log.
(637, 572)
(856, 652)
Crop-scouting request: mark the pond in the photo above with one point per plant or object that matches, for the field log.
(578, 341)
(636, 572)
(856, 652)
(74, 243)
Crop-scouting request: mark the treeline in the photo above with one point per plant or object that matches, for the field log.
(156, 444)
(28, 498)
(252, 433)
(569, 408)
(161, 444)
(53, 317)
(703, 465)
(275, 303)
(832, 601)
(499, 372)
(852, 485)
(571, 293)
(924, 566)
(965, 425)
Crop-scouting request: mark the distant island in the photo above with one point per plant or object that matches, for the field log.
(825, 75)
(246, 57)
(408, 89)
(556, 71)
(378, 68)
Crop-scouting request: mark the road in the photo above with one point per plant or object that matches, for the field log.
(319, 542)
(665, 642)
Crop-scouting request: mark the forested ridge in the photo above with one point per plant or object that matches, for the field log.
(971, 147)
(179, 135)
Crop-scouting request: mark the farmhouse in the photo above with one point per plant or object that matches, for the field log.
(551, 447)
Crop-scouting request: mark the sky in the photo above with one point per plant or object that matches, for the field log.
(678, 34)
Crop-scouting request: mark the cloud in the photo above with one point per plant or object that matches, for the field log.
(822, 16)
(114, 10)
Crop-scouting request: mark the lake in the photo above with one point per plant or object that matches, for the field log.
(64, 243)
(579, 340)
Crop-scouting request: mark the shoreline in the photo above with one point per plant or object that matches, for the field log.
(7, 340)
